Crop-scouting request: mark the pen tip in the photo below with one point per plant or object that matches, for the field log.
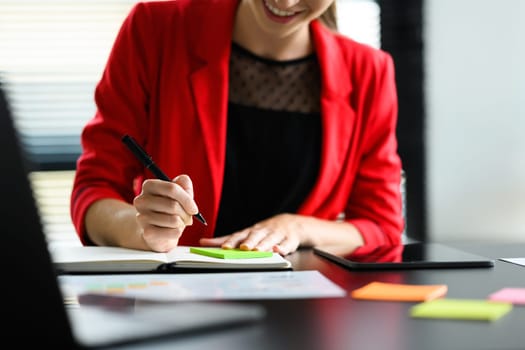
(201, 218)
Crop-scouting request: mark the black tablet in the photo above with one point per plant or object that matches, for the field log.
(407, 256)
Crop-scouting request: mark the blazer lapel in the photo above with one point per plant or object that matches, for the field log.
(210, 47)
(337, 115)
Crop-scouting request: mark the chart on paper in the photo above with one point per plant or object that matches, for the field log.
(206, 286)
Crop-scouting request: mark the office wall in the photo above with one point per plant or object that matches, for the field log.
(475, 92)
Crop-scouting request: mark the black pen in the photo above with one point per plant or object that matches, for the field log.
(148, 163)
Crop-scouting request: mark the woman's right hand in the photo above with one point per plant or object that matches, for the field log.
(164, 209)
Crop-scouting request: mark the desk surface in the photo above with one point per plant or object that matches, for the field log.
(344, 323)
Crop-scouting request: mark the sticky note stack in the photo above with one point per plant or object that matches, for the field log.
(230, 253)
(399, 292)
(512, 295)
(463, 309)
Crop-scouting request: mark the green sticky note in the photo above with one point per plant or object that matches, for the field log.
(230, 253)
(462, 309)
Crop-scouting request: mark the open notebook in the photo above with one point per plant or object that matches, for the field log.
(33, 305)
(115, 259)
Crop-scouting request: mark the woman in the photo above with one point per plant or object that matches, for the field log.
(280, 131)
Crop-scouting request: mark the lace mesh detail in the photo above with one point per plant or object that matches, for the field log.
(292, 85)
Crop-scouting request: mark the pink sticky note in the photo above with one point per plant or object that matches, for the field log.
(513, 295)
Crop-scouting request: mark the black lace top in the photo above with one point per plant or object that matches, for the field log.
(273, 138)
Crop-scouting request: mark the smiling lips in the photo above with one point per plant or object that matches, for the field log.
(276, 14)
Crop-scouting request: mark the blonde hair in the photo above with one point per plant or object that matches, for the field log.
(329, 17)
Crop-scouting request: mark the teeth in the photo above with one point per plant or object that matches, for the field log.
(277, 11)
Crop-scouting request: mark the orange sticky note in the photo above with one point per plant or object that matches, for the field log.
(399, 292)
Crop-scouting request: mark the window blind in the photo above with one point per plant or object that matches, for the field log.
(53, 53)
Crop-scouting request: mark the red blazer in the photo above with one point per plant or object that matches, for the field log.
(166, 84)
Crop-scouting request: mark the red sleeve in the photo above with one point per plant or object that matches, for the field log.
(375, 206)
(105, 169)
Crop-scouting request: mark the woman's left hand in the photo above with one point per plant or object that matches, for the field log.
(281, 233)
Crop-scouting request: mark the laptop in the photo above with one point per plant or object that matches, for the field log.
(33, 301)
(416, 255)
